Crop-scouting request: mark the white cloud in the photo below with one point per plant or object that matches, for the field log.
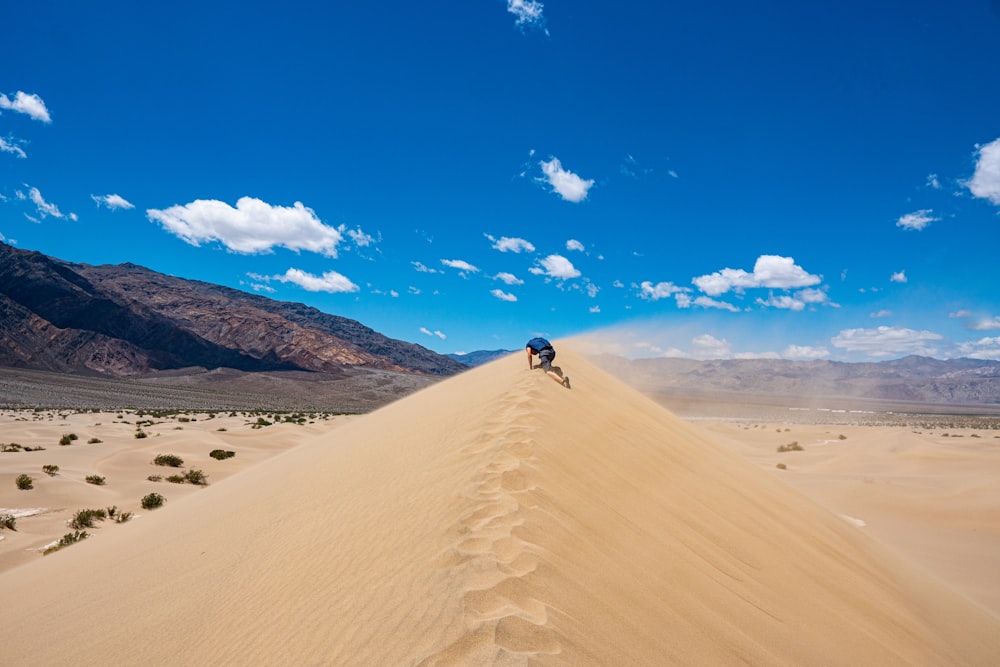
(421, 268)
(330, 281)
(933, 181)
(508, 278)
(573, 244)
(887, 341)
(917, 220)
(706, 302)
(253, 227)
(771, 271)
(960, 313)
(880, 314)
(984, 348)
(595, 309)
(360, 239)
(898, 277)
(25, 103)
(112, 202)
(592, 290)
(707, 346)
(425, 330)
(503, 296)
(568, 185)
(44, 208)
(461, 265)
(527, 12)
(783, 302)
(556, 266)
(11, 147)
(662, 290)
(986, 324)
(985, 181)
(805, 352)
(505, 244)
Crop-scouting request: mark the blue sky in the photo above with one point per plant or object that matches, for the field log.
(803, 180)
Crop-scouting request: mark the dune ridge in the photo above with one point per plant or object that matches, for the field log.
(494, 518)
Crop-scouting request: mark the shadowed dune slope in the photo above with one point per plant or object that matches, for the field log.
(493, 518)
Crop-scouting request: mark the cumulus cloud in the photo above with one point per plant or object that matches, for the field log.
(12, 147)
(113, 202)
(661, 290)
(565, 183)
(508, 278)
(330, 281)
(805, 352)
(985, 181)
(707, 346)
(463, 266)
(26, 103)
(984, 348)
(253, 227)
(573, 244)
(772, 271)
(917, 220)
(898, 277)
(428, 332)
(887, 341)
(556, 266)
(503, 296)
(505, 244)
(528, 13)
(986, 324)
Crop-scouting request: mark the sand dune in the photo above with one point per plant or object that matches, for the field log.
(494, 518)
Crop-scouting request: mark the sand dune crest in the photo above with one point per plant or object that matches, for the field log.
(494, 518)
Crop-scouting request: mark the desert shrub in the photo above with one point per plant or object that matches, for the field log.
(140, 434)
(23, 482)
(152, 501)
(66, 540)
(184, 420)
(95, 479)
(196, 477)
(50, 469)
(123, 517)
(168, 460)
(176, 479)
(155, 478)
(12, 447)
(221, 454)
(66, 439)
(793, 446)
(781, 466)
(261, 423)
(8, 521)
(221, 429)
(94, 441)
(841, 437)
(86, 518)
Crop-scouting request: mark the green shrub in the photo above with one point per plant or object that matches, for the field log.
(152, 501)
(123, 517)
(793, 446)
(261, 423)
(67, 439)
(842, 437)
(176, 479)
(12, 447)
(196, 477)
(67, 539)
(168, 460)
(86, 518)
(140, 435)
(221, 454)
(155, 478)
(94, 441)
(23, 482)
(8, 521)
(95, 479)
(782, 466)
(50, 470)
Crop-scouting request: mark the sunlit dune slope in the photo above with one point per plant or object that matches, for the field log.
(494, 518)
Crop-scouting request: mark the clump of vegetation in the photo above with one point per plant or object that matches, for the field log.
(68, 539)
(12, 447)
(176, 479)
(793, 446)
(841, 437)
(118, 517)
(140, 434)
(261, 423)
(782, 466)
(68, 438)
(8, 521)
(155, 478)
(221, 429)
(152, 501)
(94, 441)
(95, 479)
(24, 482)
(50, 470)
(196, 477)
(221, 454)
(86, 518)
(168, 460)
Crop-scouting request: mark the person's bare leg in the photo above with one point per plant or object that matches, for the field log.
(563, 380)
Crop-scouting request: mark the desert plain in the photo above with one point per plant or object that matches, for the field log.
(498, 518)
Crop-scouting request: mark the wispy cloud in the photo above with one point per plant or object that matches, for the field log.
(707, 346)
(528, 14)
(421, 268)
(556, 266)
(113, 202)
(706, 302)
(508, 278)
(428, 332)
(770, 271)
(565, 183)
(462, 266)
(984, 348)
(887, 341)
(574, 245)
(985, 181)
(986, 324)
(44, 208)
(12, 146)
(917, 220)
(506, 244)
(253, 227)
(26, 103)
(880, 314)
(330, 281)
(503, 296)
(805, 352)
(898, 277)
(661, 290)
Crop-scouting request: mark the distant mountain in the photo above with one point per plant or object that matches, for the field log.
(125, 320)
(911, 379)
(480, 357)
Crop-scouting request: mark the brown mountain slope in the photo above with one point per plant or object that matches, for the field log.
(494, 518)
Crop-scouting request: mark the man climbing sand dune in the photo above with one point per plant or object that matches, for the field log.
(546, 353)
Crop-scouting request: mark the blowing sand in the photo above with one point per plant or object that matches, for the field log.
(494, 518)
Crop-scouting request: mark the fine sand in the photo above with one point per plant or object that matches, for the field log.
(498, 518)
